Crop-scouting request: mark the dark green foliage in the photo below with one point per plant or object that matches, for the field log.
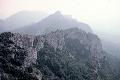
(4, 37)
(12, 59)
(77, 49)
(106, 71)
(72, 63)
(29, 69)
(57, 63)
(10, 51)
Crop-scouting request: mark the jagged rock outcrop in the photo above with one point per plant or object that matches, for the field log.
(70, 54)
(12, 60)
(33, 44)
(88, 40)
(56, 39)
(26, 42)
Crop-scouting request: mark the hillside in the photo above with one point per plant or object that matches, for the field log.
(70, 54)
(52, 23)
(21, 19)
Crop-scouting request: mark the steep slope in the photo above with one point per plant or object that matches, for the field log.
(21, 19)
(111, 47)
(74, 61)
(52, 23)
(81, 57)
(110, 43)
(12, 61)
(70, 54)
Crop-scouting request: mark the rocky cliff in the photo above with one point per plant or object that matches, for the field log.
(12, 61)
(70, 54)
(57, 40)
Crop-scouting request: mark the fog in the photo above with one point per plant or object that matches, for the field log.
(102, 15)
(59, 39)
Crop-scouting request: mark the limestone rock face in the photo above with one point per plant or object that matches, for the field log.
(90, 41)
(26, 42)
(70, 54)
(56, 39)
(33, 44)
(13, 60)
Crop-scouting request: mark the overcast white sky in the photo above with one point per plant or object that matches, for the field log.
(101, 15)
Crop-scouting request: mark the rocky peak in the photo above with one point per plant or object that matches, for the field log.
(52, 23)
(57, 40)
(89, 40)
(34, 43)
(57, 13)
(55, 16)
(61, 51)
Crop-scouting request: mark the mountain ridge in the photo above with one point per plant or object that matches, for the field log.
(53, 22)
(69, 52)
(22, 19)
(55, 54)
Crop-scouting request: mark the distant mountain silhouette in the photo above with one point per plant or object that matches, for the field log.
(110, 42)
(21, 19)
(111, 47)
(2, 26)
(52, 23)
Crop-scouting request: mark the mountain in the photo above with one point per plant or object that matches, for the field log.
(70, 54)
(21, 19)
(110, 43)
(52, 23)
(111, 47)
(2, 27)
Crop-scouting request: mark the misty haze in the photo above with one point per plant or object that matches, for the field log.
(59, 40)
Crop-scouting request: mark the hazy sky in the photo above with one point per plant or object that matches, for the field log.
(101, 15)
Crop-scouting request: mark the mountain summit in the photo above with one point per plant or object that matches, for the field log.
(53, 22)
(57, 13)
(21, 19)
